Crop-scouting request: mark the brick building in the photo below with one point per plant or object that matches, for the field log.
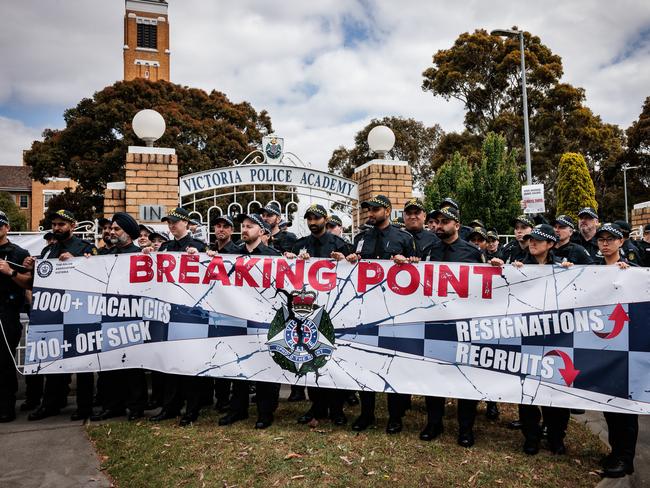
(146, 40)
(16, 181)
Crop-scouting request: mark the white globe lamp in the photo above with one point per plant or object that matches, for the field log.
(381, 139)
(148, 125)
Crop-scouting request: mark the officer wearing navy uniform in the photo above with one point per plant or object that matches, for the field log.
(588, 224)
(518, 248)
(55, 391)
(566, 250)
(629, 249)
(122, 388)
(414, 223)
(326, 402)
(12, 299)
(542, 239)
(622, 428)
(179, 389)
(451, 248)
(382, 241)
(266, 393)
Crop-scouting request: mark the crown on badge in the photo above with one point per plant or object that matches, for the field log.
(303, 301)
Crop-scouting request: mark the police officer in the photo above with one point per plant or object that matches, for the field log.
(326, 402)
(105, 225)
(335, 225)
(414, 216)
(55, 392)
(281, 240)
(382, 241)
(179, 389)
(478, 237)
(629, 249)
(517, 249)
(464, 229)
(122, 388)
(451, 248)
(588, 224)
(622, 428)
(493, 248)
(252, 227)
(566, 250)
(223, 227)
(12, 299)
(542, 239)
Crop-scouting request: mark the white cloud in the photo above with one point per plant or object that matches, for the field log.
(291, 58)
(14, 136)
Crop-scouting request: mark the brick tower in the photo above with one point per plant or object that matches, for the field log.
(146, 40)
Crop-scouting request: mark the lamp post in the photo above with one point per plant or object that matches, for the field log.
(624, 169)
(514, 33)
(381, 140)
(148, 125)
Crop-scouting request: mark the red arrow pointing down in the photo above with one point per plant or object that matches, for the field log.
(619, 317)
(569, 372)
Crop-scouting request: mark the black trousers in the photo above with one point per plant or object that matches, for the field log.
(85, 391)
(34, 388)
(556, 420)
(397, 403)
(157, 388)
(266, 398)
(179, 389)
(466, 412)
(55, 391)
(622, 430)
(124, 388)
(326, 401)
(222, 390)
(8, 379)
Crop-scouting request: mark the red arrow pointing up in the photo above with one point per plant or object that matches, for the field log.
(569, 372)
(619, 317)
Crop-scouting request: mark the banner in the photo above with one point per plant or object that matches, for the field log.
(546, 335)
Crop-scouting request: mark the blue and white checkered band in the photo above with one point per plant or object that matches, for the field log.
(612, 230)
(589, 212)
(525, 220)
(562, 221)
(257, 219)
(536, 231)
(273, 210)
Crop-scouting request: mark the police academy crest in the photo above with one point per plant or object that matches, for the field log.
(273, 148)
(301, 335)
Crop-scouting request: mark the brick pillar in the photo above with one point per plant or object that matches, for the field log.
(640, 216)
(151, 179)
(114, 198)
(385, 177)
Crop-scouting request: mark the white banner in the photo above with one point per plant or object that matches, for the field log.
(575, 337)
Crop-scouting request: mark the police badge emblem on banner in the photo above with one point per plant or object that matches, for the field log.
(577, 337)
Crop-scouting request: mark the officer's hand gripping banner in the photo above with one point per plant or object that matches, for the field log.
(546, 335)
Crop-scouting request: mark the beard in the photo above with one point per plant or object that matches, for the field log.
(316, 229)
(62, 236)
(442, 234)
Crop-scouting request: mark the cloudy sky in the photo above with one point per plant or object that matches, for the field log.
(322, 69)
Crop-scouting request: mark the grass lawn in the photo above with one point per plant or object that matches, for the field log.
(144, 454)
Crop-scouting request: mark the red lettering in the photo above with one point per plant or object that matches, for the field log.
(141, 269)
(487, 273)
(428, 280)
(165, 264)
(296, 278)
(266, 273)
(243, 271)
(365, 278)
(216, 272)
(460, 284)
(329, 277)
(391, 279)
(189, 265)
